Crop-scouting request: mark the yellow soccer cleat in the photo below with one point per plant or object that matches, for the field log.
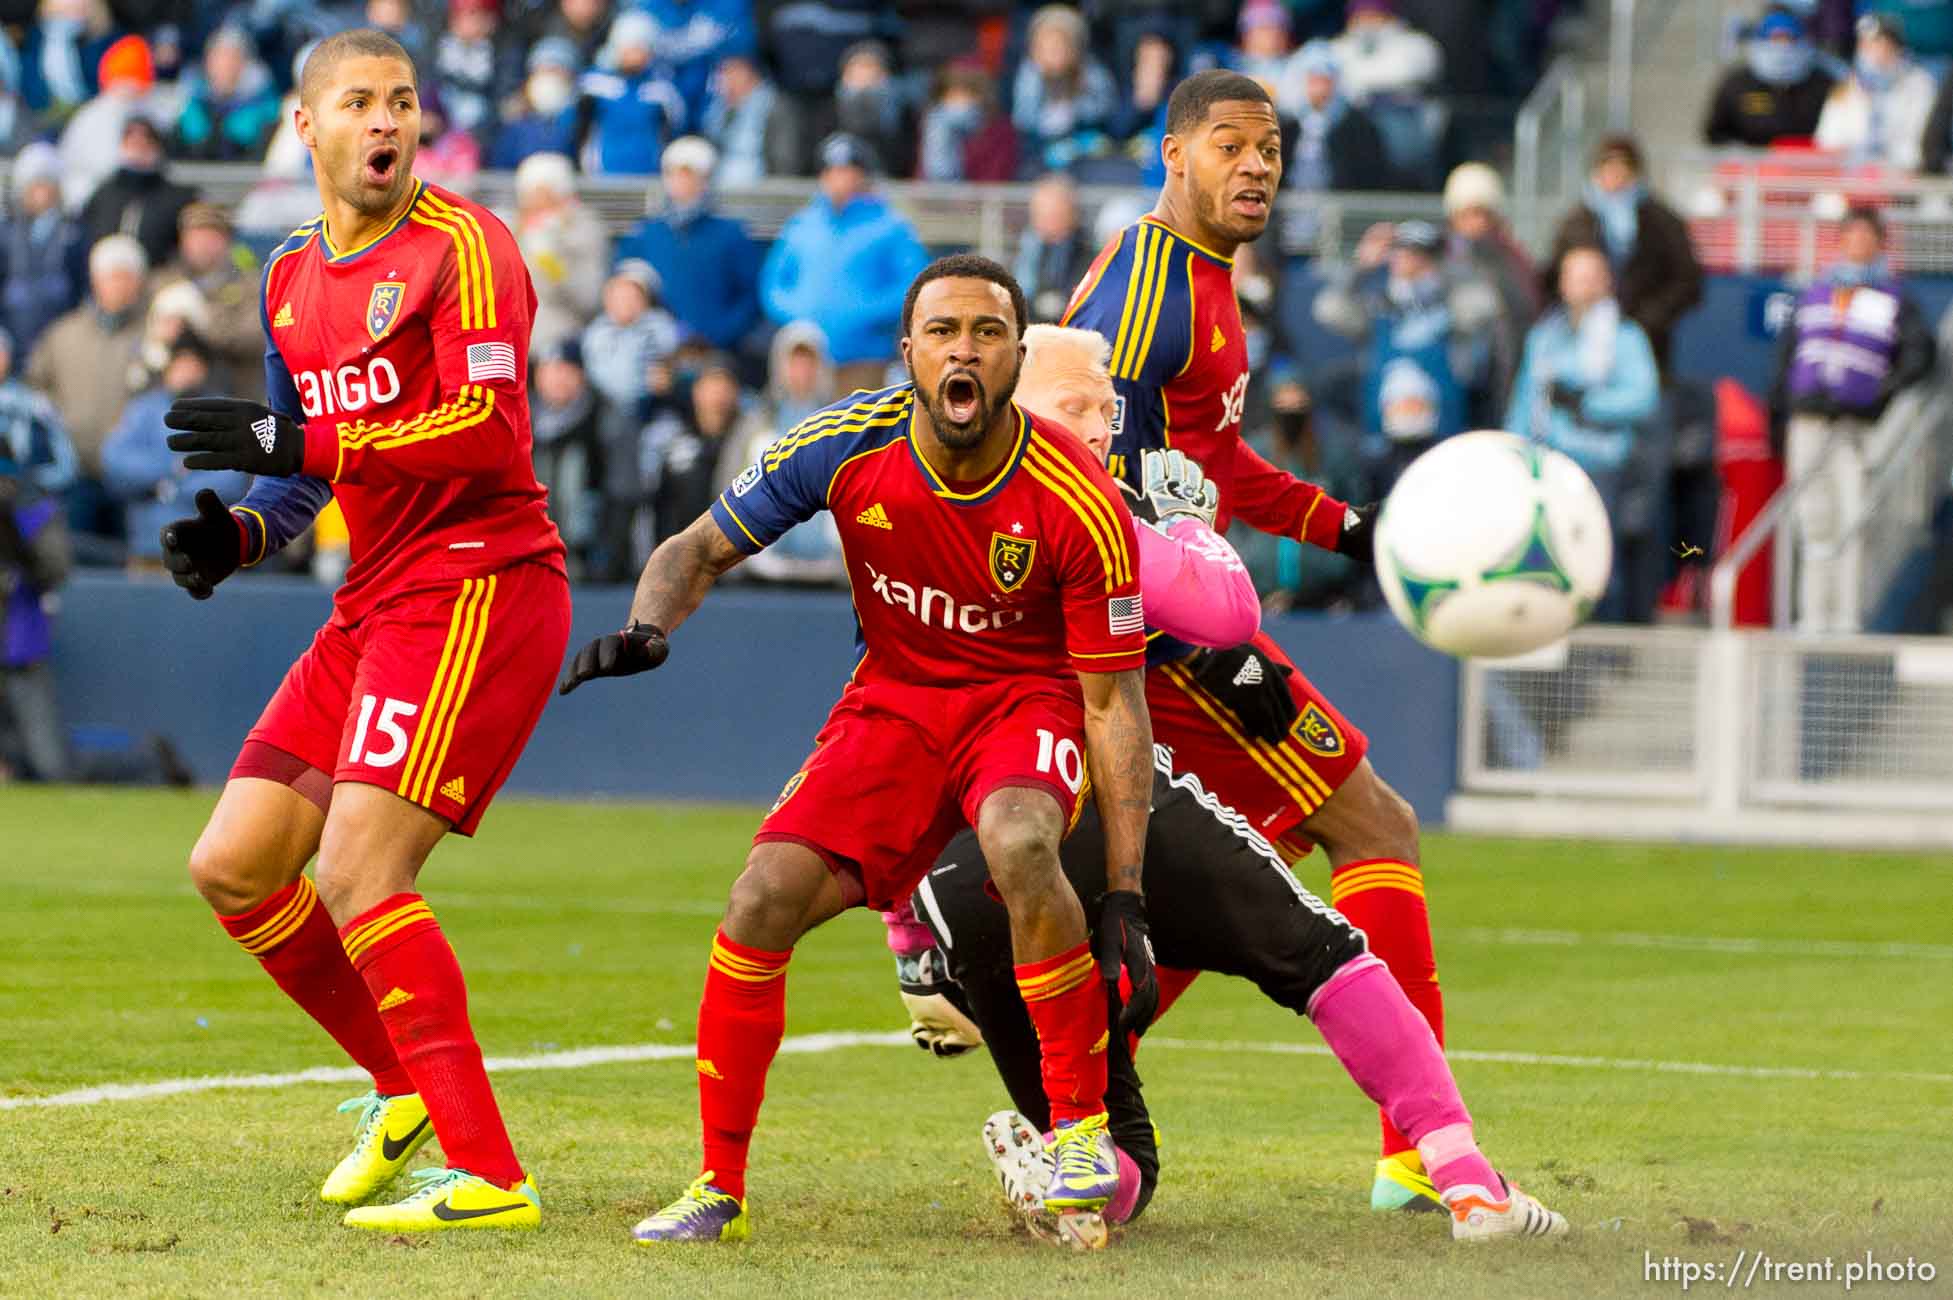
(391, 1129)
(453, 1198)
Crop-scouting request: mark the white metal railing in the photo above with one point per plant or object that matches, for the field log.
(1561, 98)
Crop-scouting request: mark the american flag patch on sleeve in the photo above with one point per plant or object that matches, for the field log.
(1124, 615)
(491, 361)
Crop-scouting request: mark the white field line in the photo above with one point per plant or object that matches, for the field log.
(1696, 943)
(804, 1044)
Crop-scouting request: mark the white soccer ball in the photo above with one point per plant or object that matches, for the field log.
(1492, 545)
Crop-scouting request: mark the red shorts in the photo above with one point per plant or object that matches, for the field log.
(432, 695)
(1274, 786)
(897, 770)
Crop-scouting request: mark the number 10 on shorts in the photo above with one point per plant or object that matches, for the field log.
(1062, 757)
(387, 725)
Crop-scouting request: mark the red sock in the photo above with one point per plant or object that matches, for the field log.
(291, 935)
(399, 948)
(1384, 898)
(741, 1020)
(1067, 1004)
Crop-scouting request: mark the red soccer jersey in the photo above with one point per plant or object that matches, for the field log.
(407, 361)
(1180, 368)
(956, 584)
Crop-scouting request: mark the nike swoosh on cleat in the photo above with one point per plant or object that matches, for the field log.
(448, 1214)
(394, 1148)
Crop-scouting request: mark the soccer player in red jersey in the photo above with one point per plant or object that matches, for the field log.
(1001, 643)
(1260, 735)
(398, 327)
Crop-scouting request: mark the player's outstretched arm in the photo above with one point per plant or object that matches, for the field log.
(674, 582)
(1119, 755)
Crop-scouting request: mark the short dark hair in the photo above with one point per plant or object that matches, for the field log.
(1187, 107)
(355, 42)
(1870, 216)
(967, 266)
(1624, 147)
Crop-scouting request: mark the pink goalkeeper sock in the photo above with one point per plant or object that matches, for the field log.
(1389, 1050)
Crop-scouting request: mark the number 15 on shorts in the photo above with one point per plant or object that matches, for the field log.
(384, 729)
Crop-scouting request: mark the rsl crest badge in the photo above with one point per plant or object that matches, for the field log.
(383, 307)
(1317, 733)
(1010, 560)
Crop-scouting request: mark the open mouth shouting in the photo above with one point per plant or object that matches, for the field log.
(1250, 202)
(381, 166)
(961, 395)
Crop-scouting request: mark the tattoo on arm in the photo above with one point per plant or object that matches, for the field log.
(680, 572)
(1119, 746)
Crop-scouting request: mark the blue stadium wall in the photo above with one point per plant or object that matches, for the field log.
(728, 718)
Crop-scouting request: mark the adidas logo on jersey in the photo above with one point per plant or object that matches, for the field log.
(398, 998)
(283, 318)
(455, 790)
(1219, 340)
(1250, 674)
(875, 517)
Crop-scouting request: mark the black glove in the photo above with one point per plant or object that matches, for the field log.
(202, 551)
(1122, 939)
(1358, 540)
(1253, 687)
(637, 649)
(231, 433)
(1567, 397)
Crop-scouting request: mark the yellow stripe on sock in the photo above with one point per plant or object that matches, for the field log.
(262, 939)
(380, 927)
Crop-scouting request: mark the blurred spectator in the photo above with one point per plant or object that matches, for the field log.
(1928, 24)
(1337, 146)
(583, 23)
(137, 199)
(844, 262)
(141, 470)
(173, 312)
(286, 157)
(807, 39)
(1054, 252)
(1936, 149)
(89, 363)
(92, 141)
(43, 256)
(16, 119)
(634, 337)
(1288, 574)
(1427, 334)
(1878, 114)
(547, 121)
(565, 247)
(800, 381)
(1482, 245)
(567, 420)
(396, 18)
(870, 104)
(936, 33)
(691, 37)
(1141, 119)
(1777, 92)
(1063, 97)
(1265, 40)
(692, 437)
(232, 107)
(226, 275)
(1856, 341)
(34, 444)
(34, 562)
(1655, 278)
(635, 108)
(744, 120)
(1587, 386)
(61, 46)
(473, 69)
(1379, 54)
(965, 136)
(707, 263)
(448, 155)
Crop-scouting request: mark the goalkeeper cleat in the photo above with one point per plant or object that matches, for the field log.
(1022, 1165)
(1479, 1215)
(453, 1198)
(703, 1213)
(1085, 1167)
(1402, 1184)
(390, 1130)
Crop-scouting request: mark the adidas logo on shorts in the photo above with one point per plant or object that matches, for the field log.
(1250, 674)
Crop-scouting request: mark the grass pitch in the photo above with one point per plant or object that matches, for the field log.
(1692, 1052)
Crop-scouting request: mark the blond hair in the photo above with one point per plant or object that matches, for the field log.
(1046, 345)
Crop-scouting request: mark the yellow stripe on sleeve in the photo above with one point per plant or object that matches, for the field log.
(1034, 466)
(466, 303)
(1135, 284)
(1137, 362)
(1093, 499)
(478, 242)
(855, 420)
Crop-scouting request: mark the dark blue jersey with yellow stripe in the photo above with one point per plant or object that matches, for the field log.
(1029, 572)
